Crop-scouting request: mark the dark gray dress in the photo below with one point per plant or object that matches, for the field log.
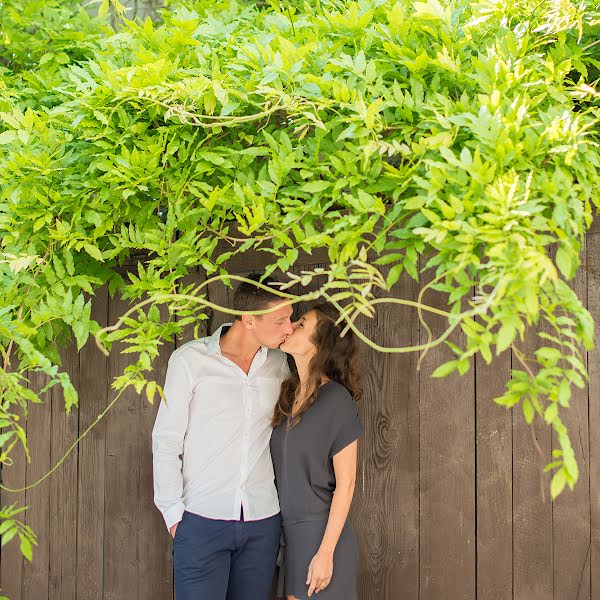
(303, 462)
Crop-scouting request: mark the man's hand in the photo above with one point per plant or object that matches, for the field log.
(173, 530)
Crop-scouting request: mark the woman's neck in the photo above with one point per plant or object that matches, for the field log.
(302, 365)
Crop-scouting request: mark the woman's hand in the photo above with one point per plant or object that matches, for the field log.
(320, 572)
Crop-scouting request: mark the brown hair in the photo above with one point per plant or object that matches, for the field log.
(249, 297)
(336, 358)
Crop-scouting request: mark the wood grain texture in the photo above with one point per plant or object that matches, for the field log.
(35, 574)
(494, 481)
(122, 483)
(593, 298)
(385, 511)
(532, 508)
(155, 567)
(426, 527)
(63, 486)
(11, 561)
(571, 510)
(447, 471)
(137, 546)
(94, 396)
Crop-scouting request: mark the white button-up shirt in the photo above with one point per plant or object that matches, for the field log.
(210, 441)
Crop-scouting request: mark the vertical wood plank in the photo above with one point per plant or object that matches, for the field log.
(93, 398)
(532, 508)
(11, 563)
(153, 540)
(122, 477)
(494, 481)
(571, 510)
(137, 560)
(593, 295)
(447, 467)
(386, 502)
(39, 428)
(63, 489)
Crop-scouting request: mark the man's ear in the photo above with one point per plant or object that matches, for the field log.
(248, 321)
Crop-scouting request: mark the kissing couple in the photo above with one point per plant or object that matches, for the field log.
(253, 459)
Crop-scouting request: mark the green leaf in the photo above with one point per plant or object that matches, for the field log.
(312, 187)
(93, 252)
(71, 396)
(6, 525)
(26, 550)
(551, 412)
(558, 483)
(446, 368)
(528, 411)
(567, 261)
(4, 437)
(564, 393)
(81, 329)
(505, 338)
(154, 314)
(103, 8)
(9, 535)
(393, 275)
(6, 137)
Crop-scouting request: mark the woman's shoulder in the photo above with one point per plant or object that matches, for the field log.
(337, 396)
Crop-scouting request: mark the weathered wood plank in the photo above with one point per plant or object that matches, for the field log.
(63, 489)
(155, 570)
(385, 511)
(532, 508)
(122, 483)
(137, 545)
(447, 471)
(593, 297)
(35, 574)
(494, 481)
(571, 510)
(94, 395)
(11, 561)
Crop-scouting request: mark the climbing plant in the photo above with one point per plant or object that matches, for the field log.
(454, 138)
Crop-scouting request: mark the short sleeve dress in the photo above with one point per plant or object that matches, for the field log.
(305, 478)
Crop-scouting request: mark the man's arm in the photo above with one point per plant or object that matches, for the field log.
(167, 442)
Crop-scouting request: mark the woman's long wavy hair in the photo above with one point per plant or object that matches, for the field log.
(336, 358)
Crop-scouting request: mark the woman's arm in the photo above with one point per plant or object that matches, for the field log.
(320, 570)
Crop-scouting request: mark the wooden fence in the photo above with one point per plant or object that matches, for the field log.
(451, 502)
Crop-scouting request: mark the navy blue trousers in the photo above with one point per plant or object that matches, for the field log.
(225, 560)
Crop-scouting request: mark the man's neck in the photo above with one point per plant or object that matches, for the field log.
(236, 344)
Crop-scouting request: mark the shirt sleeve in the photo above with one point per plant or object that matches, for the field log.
(285, 368)
(349, 426)
(167, 441)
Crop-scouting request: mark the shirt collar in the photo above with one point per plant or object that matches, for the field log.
(214, 347)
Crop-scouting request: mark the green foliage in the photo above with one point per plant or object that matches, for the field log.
(459, 137)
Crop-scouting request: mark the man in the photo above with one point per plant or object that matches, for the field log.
(213, 476)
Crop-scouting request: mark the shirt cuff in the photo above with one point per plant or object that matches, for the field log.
(174, 515)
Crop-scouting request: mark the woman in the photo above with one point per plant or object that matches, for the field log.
(314, 448)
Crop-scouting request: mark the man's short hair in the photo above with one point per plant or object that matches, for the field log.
(249, 297)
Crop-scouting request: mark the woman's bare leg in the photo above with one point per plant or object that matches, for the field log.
(292, 598)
